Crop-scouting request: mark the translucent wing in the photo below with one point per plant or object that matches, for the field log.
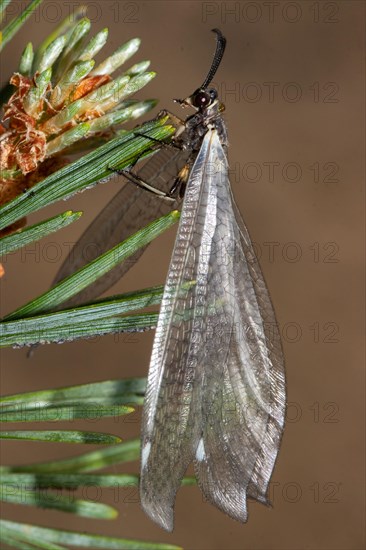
(215, 390)
(129, 210)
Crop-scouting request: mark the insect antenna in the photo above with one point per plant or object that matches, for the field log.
(220, 48)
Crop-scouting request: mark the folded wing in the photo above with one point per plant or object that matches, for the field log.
(215, 390)
(244, 394)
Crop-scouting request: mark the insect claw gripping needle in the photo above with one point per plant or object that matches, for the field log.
(216, 384)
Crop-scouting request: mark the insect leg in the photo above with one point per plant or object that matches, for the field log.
(165, 112)
(171, 144)
(139, 182)
(180, 182)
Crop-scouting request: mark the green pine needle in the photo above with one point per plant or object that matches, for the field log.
(30, 234)
(53, 501)
(80, 321)
(16, 24)
(91, 272)
(89, 401)
(33, 534)
(61, 436)
(94, 460)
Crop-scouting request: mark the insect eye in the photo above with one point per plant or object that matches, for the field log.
(201, 99)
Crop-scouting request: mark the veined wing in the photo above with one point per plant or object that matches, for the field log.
(268, 362)
(214, 394)
(243, 397)
(129, 210)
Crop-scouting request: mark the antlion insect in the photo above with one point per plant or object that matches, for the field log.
(216, 384)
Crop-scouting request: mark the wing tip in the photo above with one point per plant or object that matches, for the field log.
(161, 515)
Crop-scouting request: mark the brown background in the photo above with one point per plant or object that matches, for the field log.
(315, 274)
